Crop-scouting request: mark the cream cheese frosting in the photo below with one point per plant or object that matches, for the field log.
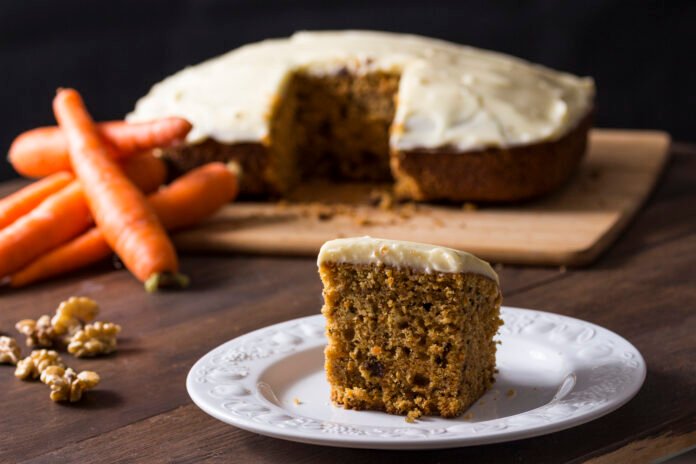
(401, 254)
(449, 95)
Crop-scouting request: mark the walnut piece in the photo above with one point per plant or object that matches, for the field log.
(47, 332)
(33, 365)
(9, 350)
(39, 333)
(66, 384)
(94, 340)
(72, 312)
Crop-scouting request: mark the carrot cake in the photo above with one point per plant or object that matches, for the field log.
(441, 121)
(410, 326)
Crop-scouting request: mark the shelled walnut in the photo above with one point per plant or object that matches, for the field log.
(72, 312)
(47, 332)
(94, 340)
(39, 333)
(9, 350)
(33, 365)
(66, 384)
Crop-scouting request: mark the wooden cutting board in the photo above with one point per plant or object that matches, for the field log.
(570, 227)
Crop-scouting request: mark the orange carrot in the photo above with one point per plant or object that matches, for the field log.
(82, 251)
(64, 215)
(119, 209)
(187, 201)
(57, 219)
(43, 151)
(21, 202)
(196, 195)
(146, 171)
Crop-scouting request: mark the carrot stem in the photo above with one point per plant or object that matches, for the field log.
(166, 280)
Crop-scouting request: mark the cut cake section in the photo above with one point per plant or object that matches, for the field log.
(443, 122)
(410, 326)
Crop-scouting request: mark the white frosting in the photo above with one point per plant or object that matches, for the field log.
(449, 95)
(400, 254)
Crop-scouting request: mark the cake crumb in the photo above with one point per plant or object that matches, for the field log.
(409, 207)
(438, 222)
(413, 415)
(562, 269)
(319, 211)
(387, 202)
(381, 199)
(511, 393)
(296, 401)
(498, 266)
(468, 206)
(324, 215)
(468, 416)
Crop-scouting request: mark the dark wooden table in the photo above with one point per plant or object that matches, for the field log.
(644, 288)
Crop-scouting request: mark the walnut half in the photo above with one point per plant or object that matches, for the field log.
(9, 350)
(66, 384)
(33, 365)
(39, 333)
(94, 340)
(72, 312)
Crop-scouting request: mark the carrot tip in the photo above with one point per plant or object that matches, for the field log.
(163, 280)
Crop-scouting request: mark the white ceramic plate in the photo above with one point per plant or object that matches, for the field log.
(554, 372)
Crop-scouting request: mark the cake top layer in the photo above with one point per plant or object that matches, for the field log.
(396, 253)
(449, 95)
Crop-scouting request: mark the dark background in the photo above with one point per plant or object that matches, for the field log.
(642, 54)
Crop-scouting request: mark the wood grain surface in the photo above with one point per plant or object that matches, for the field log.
(570, 227)
(642, 288)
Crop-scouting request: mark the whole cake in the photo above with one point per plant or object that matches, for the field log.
(440, 120)
(410, 326)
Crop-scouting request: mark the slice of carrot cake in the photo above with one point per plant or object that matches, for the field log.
(410, 326)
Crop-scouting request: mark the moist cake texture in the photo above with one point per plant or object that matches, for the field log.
(410, 326)
(443, 121)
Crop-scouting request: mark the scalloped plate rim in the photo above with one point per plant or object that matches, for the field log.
(410, 442)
